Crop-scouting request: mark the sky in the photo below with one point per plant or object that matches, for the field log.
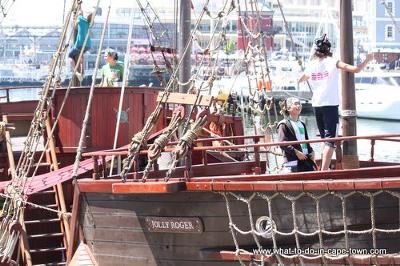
(50, 12)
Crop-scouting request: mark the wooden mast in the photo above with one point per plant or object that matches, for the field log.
(348, 115)
(184, 37)
(185, 22)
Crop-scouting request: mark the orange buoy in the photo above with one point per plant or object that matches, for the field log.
(262, 84)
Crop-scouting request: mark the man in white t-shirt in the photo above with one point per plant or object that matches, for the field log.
(323, 75)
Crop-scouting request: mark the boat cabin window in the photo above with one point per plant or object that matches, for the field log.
(388, 81)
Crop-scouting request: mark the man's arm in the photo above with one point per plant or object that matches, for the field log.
(354, 69)
(303, 78)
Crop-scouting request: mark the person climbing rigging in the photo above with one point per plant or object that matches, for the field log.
(81, 28)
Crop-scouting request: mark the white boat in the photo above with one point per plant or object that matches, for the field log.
(378, 95)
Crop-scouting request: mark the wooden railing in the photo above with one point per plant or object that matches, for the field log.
(100, 168)
(8, 89)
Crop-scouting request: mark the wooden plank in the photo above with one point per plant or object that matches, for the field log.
(148, 187)
(183, 98)
(83, 256)
(74, 224)
(123, 233)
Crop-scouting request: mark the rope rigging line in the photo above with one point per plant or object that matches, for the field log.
(5, 6)
(210, 81)
(390, 12)
(37, 126)
(25, 202)
(159, 144)
(185, 143)
(261, 43)
(26, 157)
(291, 40)
(156, 39)
(56, 84)
(79, 59)
(90, 96)
(151, 25)
(14, 203)
(222, 38)
(256, 50)
(138, 140)
(155, 149)
(127, 63)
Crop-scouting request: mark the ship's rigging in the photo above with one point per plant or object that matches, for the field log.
(17, 190)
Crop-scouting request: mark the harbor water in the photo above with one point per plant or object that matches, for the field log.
(384, 150)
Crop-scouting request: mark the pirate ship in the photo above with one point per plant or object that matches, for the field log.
(219, 199)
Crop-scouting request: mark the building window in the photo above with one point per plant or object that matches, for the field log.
(389, 8)
(389, 33)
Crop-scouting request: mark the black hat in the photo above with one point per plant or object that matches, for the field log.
(323, 45)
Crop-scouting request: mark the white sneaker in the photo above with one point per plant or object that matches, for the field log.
(79, 76)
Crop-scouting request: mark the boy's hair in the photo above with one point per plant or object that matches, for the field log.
(322, 47)
(286, 104)
(113, 54)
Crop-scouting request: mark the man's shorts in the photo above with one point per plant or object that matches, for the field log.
(327, 122)
(74, 52)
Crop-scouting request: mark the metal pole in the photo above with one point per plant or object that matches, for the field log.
(348, 114)
(184, 37)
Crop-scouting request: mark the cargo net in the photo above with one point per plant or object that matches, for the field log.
(315, 228)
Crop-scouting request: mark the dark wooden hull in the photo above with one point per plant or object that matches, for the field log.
(115, 227)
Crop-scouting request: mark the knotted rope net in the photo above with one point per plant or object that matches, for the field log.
(308, 226)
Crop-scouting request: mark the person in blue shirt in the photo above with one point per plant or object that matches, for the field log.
(81, 29)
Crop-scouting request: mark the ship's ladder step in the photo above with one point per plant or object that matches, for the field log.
(51, 264)
(47, 250)
(51, 206)
(40, 221)
(46, 235)
(47, 191)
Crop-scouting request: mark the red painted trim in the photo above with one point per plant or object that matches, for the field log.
(256, 183)
(148, 187)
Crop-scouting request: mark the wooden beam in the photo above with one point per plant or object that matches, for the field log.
(10, 153)
(74, 223)
(183, 98)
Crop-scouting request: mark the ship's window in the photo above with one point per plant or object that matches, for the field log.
(389, 33)
(99, 11)
(364, 80)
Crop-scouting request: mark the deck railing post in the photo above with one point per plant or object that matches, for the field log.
(257, 162)
(96, 174)
(372, 152)
(103, 162)
(204, 157)
(188, 173)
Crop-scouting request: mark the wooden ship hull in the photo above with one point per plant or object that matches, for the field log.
(218, 214)
(193, 227)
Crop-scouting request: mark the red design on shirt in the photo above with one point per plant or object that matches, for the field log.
(319, 75)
